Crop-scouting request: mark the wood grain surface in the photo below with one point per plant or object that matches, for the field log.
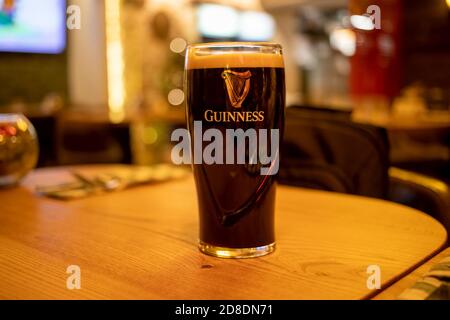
(140, 243)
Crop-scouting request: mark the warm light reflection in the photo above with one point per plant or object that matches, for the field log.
(448, 3)
(115, 64)
(430, 183)
(223, 253)
(176, 97)
(343, 40)
(362, 22)
(22, 125)
(178, 45)
(150, 135)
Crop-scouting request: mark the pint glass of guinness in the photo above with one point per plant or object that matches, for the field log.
(235, 95)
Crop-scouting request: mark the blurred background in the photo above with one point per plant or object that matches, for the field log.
(368, 84)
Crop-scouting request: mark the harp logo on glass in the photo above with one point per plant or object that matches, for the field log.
(237, 86)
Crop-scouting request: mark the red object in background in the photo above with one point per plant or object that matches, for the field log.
(8, 130)
(376, 65)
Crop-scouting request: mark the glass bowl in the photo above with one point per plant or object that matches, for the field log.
(18, 148)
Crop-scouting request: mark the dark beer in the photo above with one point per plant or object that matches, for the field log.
(235, 90)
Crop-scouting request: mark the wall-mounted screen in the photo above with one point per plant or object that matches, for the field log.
(223, 22)
(217, 21)
(34, 26)
(256, 26)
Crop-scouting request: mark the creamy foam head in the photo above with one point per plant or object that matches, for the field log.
(198, 59)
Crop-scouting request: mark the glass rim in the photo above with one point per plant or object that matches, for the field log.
(236, 54)
(235, 44)
(11, 115)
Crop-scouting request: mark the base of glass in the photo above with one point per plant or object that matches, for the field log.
(235, 253)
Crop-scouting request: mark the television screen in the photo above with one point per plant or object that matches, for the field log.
(33, 26)
(217, 21)
(256, 26)
(223, 22)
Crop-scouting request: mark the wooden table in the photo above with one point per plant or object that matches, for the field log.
(433, 121)
(141, 244)
(408, 281)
